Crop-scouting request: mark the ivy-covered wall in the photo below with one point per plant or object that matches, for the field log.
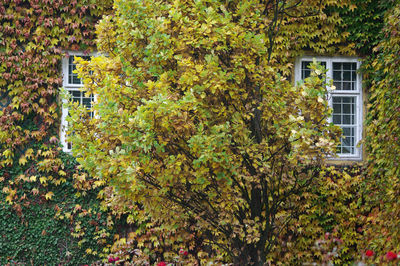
(49, 210)
(382, 180)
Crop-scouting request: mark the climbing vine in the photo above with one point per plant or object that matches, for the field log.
(49, 207)
(383, 121)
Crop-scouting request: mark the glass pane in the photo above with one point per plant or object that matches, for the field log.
(87, 102)
(337, 119)
(344, 75)
(347, 66)
(347, 75)
(79, 97)
(346, 131)
(351, 140)
(348, 86)
(345, 150)
(76, 96)
(337, 75)
(344, 116)
(346, 99)
(346, 109)
(343, 107)
(306, 70)
(337, 108)
(73, 77)
(337, 66)
(347, 145)
(337, 99)
(346, 119)
(338, 85)
(345, 142)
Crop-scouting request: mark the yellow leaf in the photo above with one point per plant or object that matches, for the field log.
(7, 153)
(352, 7)
(43, 179)
(49, 195)
(98, 183)
(9, 199)
(28, 153)
(32, 178)
(62, 173)
(35, 191)
(22, 160)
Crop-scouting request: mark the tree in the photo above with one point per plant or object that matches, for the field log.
(197, 123)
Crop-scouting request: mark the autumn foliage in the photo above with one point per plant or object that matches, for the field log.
(382, 182)
(195, 127)
(40, 202)
(200, 141)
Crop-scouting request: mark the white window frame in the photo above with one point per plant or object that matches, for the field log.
(357, 93)
(68, 87)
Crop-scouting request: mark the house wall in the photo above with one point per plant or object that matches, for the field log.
(46, 216)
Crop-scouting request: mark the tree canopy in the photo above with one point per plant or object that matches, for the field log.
(198, 127)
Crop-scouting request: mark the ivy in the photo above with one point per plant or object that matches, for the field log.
(383, 123)
(364, 21)
(49, 207)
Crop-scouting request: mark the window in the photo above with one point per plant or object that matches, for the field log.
(73, 85)
(345, 100)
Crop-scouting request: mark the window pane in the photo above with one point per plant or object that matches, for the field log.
(346, 108)
(73, 77)
(346, 131)
(79, 97)
(337, 75)
(347, 75)
(344, 116)
(345, 150)
(344, 75)
(76, 96)
(347, 119)
(337, 119)
(348, 66)
(337, 108)
(306, 70)
(346, 99)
